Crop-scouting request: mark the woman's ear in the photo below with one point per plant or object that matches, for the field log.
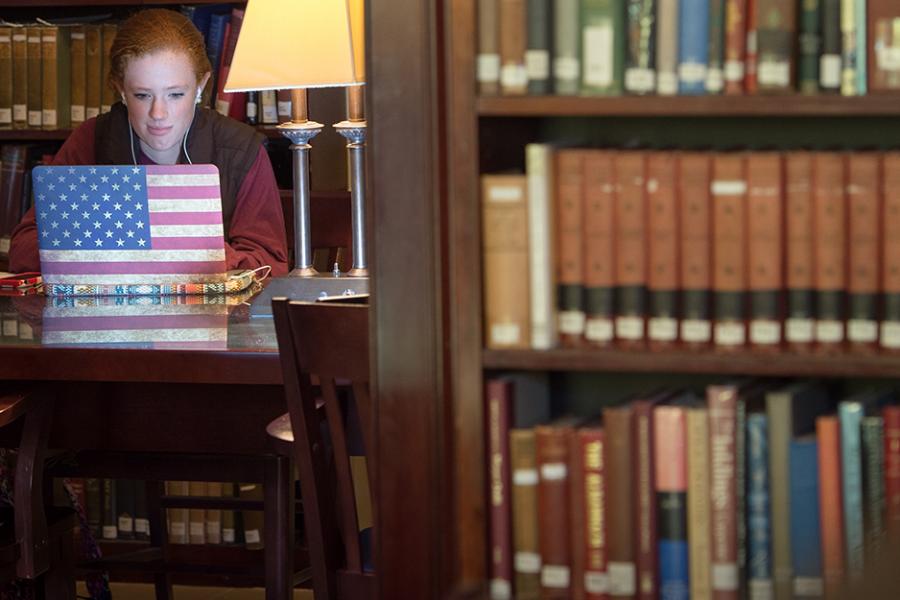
(201, 85)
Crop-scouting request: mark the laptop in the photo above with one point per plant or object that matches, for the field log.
(129, 230)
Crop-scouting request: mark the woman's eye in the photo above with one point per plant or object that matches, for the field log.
(140, 96)
(177, 95)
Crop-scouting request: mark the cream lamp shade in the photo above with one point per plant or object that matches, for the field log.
(288, 44)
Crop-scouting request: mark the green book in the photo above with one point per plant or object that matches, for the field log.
(810, 42)
(566, 47)
(603, 47)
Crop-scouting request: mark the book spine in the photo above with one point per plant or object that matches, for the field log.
(779, 412)
(809, 43)
(602, 47)
(830, 57)
(110, 513)
(539, 44)
(539, 172)
(177, 518)
(715, 73)
(883, 58)
(806, 541)
(107, 95)
(891, 416)
(6, 78)
(141, 516)
(487, 60)
(671, 478)
(695, 251)
(56, 106)
(849, 65)
(889, 336)
(645, 522)
(620, 502)
(630, 254)
(253, 108)
(740, 490)
(213, 517)
(830, 247)
(595, 582)
(284, 104)
(765, 251)
(850, 415)
(77, 75)
(860, 7)
(759, 526)
(513, 76)
(667, 47)
(35, 85)
(93, 500)
(831, 519)
(776, 37)
(751, 54)
(873, 485)
(505, 243)
(20, 78)
(569, 246)
(640, 47)
(729, 188)
(577, 519)
(125, 505)
(722, 406)
(698, 504)
(663, 237)
(798, 326)
(197, 516)
(552, 445)
(527, 557)
(863, 199)
(693, 46)
(599, 247)
(567, 33)
(498, 393)
(93, 46)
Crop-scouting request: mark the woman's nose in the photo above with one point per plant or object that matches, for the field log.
(157, 109)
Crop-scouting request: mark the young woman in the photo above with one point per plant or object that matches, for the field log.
(158, 66)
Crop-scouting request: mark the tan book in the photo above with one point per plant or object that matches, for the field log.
(698, 503)
(197, 516)
(253, 519)
(541, 273)
(505, 252)
(56, 104)
(526, 552)
(77, 75)
(6, 78)
(33, 57)
(214, 515)
(229, 535)
(107, 94)
(488, 54)
(93, 84)
(177, 517)
(513, 77)
(20, 77)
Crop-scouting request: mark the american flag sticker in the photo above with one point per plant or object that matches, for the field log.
(151, 224)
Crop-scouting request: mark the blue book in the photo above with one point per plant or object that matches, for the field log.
(214, 44)
(200, 15)
(693, 46)
(806, 540)
(759, 524)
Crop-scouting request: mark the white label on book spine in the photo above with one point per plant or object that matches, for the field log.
(798, 331)
(527, 562)
(251, 536)
(34, 118)
(537, 64)
(667, 83)
(640, 80)
(126, 524)
(10, 328)
(596, 582)
(566, 68)
(4, 245)
(829, 332)
(724, 577)
(20, 112)
(692, 72)
(765, 332)
(6, 116)
(501, 589)
(555, 576)
(715, 81)
(487, 68)
(213, 527)
(522, 477)
(598, 54)
(662, 329)
(725, 187)
(830, 71)
(599, 329)
(505, 193)
(630, 328)
(888, 58)
(198, 529)
(734, 70)
(696, 330)
(77, 112)
(18, 37)
(622, 576)
(761, 589)
(862, 330)
(729, 334)
(808, 587)
(142, 526)
(6, 38)
(270, 113)
(228, 535)
(284, 108)
(513, 77)
(90, 113)
(76, 35)
(25, 331)
(571, 322)
(555, 471)
(110, 532)
(48, 116)
(890, 334)
(505, 334)
(774, 73)
(177, 529)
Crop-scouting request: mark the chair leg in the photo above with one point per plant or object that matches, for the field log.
(278, 526)
(159, 537)
(58, 583)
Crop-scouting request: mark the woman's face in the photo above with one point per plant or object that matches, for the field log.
(160, 91)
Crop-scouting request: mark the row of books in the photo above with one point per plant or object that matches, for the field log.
(668, 47)
(16, 162)
(761, 487)
(594, 246)
(117, 509)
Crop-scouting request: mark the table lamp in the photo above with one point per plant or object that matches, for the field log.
(300, 44)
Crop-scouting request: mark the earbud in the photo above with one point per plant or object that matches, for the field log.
(123, 97)
(199, 98)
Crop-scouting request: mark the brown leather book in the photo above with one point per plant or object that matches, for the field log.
(883, 46)
(599, 246)
(498, 403)
(93, 43)
(33, 57)
(513, 77)
(735, 45)
(620, 502)
(56, 98)
(588, 522)
(631, 246)
(798, 325)
(527, 556)
(831, 506)
(569, 245)
(6, 78)
(891, 416)
(554, 532)
(765, 250)
(20, 77)
(487, 59)
(863, 243)
(107, 94)
(662, 242)
(776, 35)
(504, 202)
(751, 56)
(889, 336)
(729, 281)
(695, 231)
(77, 75)
(577, 521)
(722, 403)
(830, 239)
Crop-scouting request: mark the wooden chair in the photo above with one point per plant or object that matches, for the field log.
(35, 543)
(328, 343)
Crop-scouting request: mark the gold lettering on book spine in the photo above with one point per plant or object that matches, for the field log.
(496, 456)
(593, 460)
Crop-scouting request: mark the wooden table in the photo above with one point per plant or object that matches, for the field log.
(129, 389)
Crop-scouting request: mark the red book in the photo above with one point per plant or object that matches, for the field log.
(589, 576)
(233, 104)
(569, 247)
(735, 45)
(831, 508)
(662, 236)
(722, 405)
(798, 327)
(729, 191)
(631, 245)
(864, 211)
(599, 246)
(498, 400)
(751, 82)
(892, 471)
(620, 505)
(695, 231)
(765, 199)
(830, 235)
(890, 252)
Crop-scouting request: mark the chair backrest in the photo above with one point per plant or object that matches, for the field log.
(329, 343)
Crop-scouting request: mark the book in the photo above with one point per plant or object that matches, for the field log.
(806, 539)
(883, 46)
(809, 42)
(539, 160)
(729, 189)
(108, 95)
(663, 242)
(667, 15)
(618, 424)
(93, 74)
(889, 334)
(765, 252)
(233, 104)
(6, 77)
(830, 61)
(670, 475)
(698, 503)
(487, 59)
(125, 508)
(751, 56)
(527, 556)
(829, 202)
(775, 38)
(639, 30)
(20, 77)
(599, 247)
(602, 24)
(12, 181)
(863, 245)
(568, 242)
(799, 215)
(891, 415)
(722, 401)
(77, 75)
(177, 518)
(715, 72)
(693, 46)
(513, 76)
(498, 409)
(56, 91)
(849, 42)
(109, 512)
(759, 525)
(567, 33)
(34, 85)
(735, 45)
(874, 531)
(213, 516)
(539, 45)
(215, 47)
(631, 246)
(252, 519)
(831, 511)
(695, 230)
(589, 518)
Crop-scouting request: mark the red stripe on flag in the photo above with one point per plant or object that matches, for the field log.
(185, 218)
(132, 268)
(181, 169)
(169, 192)
(187, 243)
